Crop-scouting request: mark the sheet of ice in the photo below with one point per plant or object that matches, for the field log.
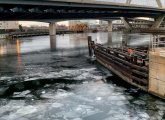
(83, 98)
(88, 69)
(43, 92)
(98, 77)
(161, 107)
(48, 95)
(25, 110)
(21, 94)
(4, 78)
(139, 102)
(144, 115)
(61, 94)
(117, 98)
(13, 105)
(121, 117)
(158, 102)
(57, 105)
(70, 115)
(119, 103)
(118, 110)
(77, 74)
(77, 119)
(98, 98)
(89, 111)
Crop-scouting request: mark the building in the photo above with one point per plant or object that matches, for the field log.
(102, 22)
(78, 25)
(88, 22)
(9, 25)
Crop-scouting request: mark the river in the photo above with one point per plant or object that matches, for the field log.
(39, 82)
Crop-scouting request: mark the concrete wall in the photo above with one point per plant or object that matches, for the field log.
(157, 72)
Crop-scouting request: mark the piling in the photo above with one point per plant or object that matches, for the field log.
(89, 45)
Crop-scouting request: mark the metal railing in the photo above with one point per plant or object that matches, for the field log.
(157, 41)
(160, 4)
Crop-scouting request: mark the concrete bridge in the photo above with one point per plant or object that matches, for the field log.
(136, 24)
(58, 10)
(50, 10)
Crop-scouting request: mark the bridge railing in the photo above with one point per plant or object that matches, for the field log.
(144, 3)
(160, 4)
(157, 41)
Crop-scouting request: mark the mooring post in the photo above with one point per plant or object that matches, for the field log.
(89, 45)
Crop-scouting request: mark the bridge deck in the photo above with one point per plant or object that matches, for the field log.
(75, 9)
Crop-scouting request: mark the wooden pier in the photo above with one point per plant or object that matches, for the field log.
(144, 68)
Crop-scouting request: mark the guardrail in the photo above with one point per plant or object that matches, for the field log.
(157, 41)
(133, 3)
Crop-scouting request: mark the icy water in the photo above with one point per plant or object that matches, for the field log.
(43, 83)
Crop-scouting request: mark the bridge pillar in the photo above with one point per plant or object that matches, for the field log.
(128, 2)
(52, 33)
(110, 29)
(110, 26)
(52, 29)
(109, 42)
(126, 23)
(159, 2)
(158, 22)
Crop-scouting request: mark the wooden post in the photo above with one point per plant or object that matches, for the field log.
(89, 45)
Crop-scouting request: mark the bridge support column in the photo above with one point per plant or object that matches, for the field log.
(126, 23)
(110, 29)
(159, 2)
(128, 2)
(158, 22)
(110, 26)
(52, 33)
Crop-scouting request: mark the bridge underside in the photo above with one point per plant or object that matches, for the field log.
(66, 11)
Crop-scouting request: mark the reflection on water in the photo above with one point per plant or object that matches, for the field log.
(69, 41)
(18, 50)
(41, 84)
(53, 43)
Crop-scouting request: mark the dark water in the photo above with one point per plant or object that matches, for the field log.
(62, 84)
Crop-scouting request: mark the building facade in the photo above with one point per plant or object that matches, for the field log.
(88, 22)
(6, 27)
(9, 25)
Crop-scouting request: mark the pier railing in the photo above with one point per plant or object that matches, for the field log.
(157, 41)
(122, 64)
